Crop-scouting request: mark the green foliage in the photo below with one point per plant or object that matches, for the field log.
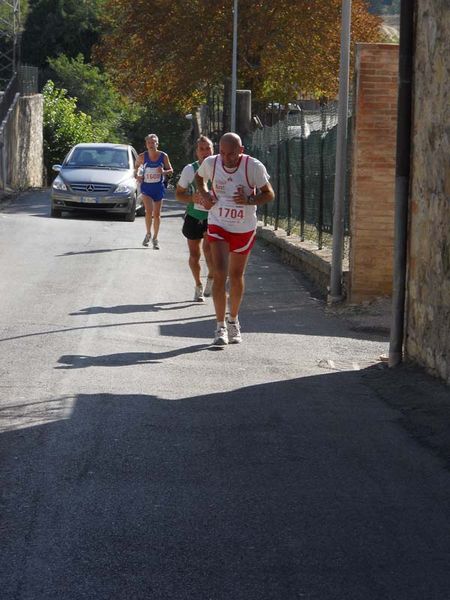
(172, 129)
(86, 102)
(94, 91)
(64, 125)
(7, 15)
(54, 27)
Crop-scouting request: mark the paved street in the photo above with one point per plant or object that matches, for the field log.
(138, 462)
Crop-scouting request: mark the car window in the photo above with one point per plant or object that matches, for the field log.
(109, 158)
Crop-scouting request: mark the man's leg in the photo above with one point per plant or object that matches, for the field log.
(148, 218)
(208, 256)
(156, 217)
(236, 270)
(194, 259)
(220, 255)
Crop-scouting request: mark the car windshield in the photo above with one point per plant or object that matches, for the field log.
(98, 158)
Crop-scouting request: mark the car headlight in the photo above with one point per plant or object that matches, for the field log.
(59, 184)
(124, 188)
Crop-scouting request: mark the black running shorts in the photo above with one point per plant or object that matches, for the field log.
(193, 229)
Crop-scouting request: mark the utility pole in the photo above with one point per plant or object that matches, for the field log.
(234, 67)
(335, 294)
(9, 38)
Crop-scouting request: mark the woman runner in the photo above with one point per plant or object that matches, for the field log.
(151, 167)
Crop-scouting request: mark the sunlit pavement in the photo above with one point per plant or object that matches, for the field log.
(138, 461)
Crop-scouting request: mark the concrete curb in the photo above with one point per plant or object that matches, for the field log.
(6, 197)
(314, 263)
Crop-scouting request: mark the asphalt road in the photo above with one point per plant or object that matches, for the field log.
(138, 462)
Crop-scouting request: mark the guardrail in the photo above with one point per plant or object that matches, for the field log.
(7, 97)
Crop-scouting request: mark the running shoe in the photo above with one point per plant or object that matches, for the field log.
(221, 337)
(155, 244)
(198, 294)
(234, 332)
(208, 286)
(146, 240)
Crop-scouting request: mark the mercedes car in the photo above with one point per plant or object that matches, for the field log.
(97, 177)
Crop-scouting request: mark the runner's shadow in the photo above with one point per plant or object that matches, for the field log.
(133, 308)
(123, 359)
(99, 251)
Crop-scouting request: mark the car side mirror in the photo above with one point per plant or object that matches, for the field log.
(56, 168)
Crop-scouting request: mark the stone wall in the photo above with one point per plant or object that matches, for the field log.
(373, 172)
(427, 339)
(24, 145)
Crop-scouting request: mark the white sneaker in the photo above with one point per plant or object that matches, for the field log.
(146, 239)
(198, 294)
(155, 244)
(234, 332)
(208, 286)
(221, 337)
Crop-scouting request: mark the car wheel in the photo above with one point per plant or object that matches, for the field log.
(130, 216)
(55, 212)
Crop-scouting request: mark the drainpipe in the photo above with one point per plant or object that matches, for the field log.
(402, 175)
(335, 294)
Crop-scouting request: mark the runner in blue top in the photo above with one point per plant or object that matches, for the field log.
(151, 167)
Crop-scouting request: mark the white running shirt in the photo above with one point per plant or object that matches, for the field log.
(250, 174)
(187, 178)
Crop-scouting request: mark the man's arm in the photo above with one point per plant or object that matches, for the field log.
(183, 194)
(168, 170)
(183, 191)
(205, 197)
(264, 195)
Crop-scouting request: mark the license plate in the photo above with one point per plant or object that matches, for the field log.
(89, 199)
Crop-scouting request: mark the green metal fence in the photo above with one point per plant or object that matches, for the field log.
(298, 148)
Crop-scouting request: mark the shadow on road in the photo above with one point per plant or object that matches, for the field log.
(99, 251)
(132, 308)
(304, 488)
(79, 361)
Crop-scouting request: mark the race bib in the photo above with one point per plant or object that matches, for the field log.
(228, 212)
(152, 175)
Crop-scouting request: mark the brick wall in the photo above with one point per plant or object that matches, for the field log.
(427, 339)
(373, 172)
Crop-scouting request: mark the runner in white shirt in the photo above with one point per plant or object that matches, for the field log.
(196, 220)
(240, 183)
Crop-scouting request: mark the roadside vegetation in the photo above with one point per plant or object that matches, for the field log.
(105, 80)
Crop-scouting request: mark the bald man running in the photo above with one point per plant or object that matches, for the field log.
(239, 183)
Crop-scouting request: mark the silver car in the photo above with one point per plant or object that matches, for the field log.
(97, 177)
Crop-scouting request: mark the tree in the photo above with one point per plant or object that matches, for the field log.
(64, 125)
(171, 128)
(94, 91)
(55, 27)
(285, 46)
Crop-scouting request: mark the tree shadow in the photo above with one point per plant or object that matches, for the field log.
(34, 201)
(305, 488)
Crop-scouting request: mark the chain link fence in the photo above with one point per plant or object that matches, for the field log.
(28, 79)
